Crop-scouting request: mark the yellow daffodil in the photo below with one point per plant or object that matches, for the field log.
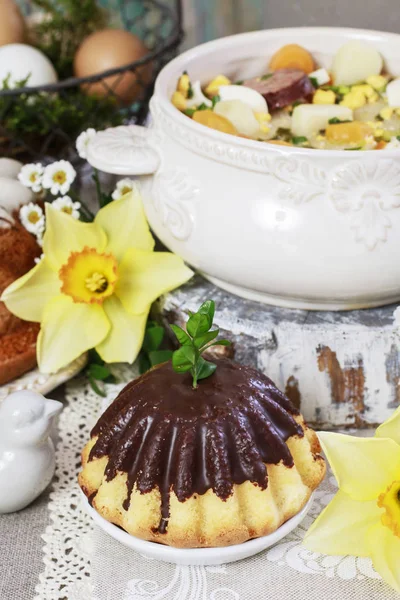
(95, 284)
(363, 519)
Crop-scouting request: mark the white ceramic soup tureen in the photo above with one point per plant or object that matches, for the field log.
(290, 226)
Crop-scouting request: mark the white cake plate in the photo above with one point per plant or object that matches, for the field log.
(196, 556)
(42, 382)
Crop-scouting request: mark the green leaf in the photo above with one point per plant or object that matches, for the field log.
(335, 121)
(314, 82)
(181, 335)
(153, 338)
(184, 359)
(297, 140)
(215, 99)
(208, 308)
(159, 356)
(203, 340)
(202, 106)
(266, 76)
(96, 388)
(198, 324)
(189, 112)
(99, 371)
(204, 368)
(221, 343)
(144, 363)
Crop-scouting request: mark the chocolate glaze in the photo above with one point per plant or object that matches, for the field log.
(164, 434)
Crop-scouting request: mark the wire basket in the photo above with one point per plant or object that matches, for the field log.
(42, 123)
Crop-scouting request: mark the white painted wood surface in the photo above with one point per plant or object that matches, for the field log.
(342, 369)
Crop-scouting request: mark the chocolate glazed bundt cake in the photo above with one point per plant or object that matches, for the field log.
(213, 466)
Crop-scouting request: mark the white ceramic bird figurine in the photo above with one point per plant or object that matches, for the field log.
(27, 456)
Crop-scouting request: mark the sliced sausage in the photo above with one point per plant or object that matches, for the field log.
(283, 87)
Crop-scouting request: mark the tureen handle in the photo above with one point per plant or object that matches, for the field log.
(124, 150)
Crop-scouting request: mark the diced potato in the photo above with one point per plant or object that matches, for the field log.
(183, 84)
(240, 115)
(321, 76)
(218, 122)
(354, 62)
(393, 93)
(178, 100)
(213, 87)
(378, 82)
(354, 99)
(250, 97)
(308, 119)
(348, 133)
(369, 112)
(324, 97)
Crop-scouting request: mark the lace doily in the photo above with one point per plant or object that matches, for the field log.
(67, 539)
(84, 564)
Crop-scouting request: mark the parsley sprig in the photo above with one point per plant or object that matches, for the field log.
(197, 338)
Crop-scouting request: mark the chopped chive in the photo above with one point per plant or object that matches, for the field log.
(266, 76)
(335, 120)
(314, 82)
(297, 140)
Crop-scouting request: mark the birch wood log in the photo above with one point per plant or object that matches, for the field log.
(341, 369)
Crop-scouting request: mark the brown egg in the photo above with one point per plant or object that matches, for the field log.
(12, 24)
(110, 49)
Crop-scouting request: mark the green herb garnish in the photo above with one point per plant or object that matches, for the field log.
(314, 82)
(151, 354)
(202, 106)
(190, 92)
(240, 82)
(297, 140)
(335, 121)
(398, 137)
(194, 341)
(357, 148)
(189, 112)
(266, 76)
(215, 99)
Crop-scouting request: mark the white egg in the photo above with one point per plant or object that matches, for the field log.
(246, 95)
(321, 76)
(198, 97)
(308, 119)
(9, 168)
(20, 61)
(354, 62)
(13, 194)
(393, 93)
(240, 115)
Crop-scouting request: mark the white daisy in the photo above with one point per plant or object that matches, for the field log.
(123, 187)
(31, 176)
(83, 140)
(67, 205)
(32, 218)
(394, 143)
(58, 177)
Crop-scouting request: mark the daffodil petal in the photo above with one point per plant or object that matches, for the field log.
(385, 553)
(144, 276)
(27, 296)
(64, 235)
(342, 527)
(390, 428)
(125, 224)
(69, 329)
(363, 467)
(125, 337)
